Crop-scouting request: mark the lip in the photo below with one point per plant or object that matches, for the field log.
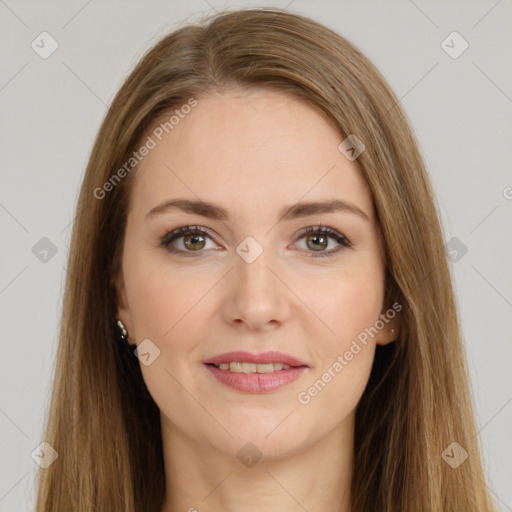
(256, 382)
(262, 358)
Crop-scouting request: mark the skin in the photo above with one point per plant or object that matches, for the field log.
(253, 152)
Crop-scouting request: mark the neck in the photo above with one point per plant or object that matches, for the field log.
(202, 478)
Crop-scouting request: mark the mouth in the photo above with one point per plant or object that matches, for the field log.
(255, 373)
(245, 367)
(247, 362)
(254, 382)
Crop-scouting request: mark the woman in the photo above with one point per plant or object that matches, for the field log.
(260, 314)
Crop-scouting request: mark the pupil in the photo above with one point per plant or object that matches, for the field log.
(192, 240)
(318, 237)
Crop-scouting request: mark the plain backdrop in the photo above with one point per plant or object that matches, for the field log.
(51, 108)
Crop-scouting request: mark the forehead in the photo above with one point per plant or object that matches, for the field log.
(242, 147)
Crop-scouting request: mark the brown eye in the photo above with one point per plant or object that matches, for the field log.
(317, 242)
(186, 240)
(194, 242)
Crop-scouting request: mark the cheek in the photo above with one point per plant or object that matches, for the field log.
(163, 308)
(356, 307)
(339, 385)
(346, 304)
(338, 382)
(159, 297)
(350, 309)
(153, 306)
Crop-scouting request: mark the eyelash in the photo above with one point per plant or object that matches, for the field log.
(317, 230)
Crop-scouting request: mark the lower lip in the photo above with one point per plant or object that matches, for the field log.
(256, 382)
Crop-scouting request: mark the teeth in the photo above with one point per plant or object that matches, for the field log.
(240, 367)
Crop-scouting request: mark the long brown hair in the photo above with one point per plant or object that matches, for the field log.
(102, 420)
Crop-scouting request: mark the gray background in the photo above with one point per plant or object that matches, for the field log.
(51, 110)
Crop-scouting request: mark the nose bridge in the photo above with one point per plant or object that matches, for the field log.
(256, 296)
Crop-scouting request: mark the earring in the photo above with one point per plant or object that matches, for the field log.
(393, 331)
(121, 331)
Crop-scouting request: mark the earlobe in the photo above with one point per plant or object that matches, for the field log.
(387, 335)
(390, 332)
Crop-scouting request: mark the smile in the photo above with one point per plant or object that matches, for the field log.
(247, 377)
(239, 367)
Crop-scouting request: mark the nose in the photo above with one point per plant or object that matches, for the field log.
(256, 295)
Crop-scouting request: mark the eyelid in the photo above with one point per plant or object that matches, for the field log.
(175, 234)
(343, 241)
(324, 230)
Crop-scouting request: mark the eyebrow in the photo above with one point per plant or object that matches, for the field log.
(212, 211)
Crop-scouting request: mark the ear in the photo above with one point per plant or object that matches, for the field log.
(390, 317)
(122, 306)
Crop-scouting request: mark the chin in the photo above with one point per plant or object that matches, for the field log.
(262, 440)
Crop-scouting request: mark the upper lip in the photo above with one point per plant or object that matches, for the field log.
(262, 358)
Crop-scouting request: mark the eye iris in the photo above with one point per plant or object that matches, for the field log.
(192, 240)
(318, 245)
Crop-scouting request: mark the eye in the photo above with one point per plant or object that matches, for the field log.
(193, 240)
(317, 239)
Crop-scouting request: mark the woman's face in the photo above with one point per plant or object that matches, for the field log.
(255, 281)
